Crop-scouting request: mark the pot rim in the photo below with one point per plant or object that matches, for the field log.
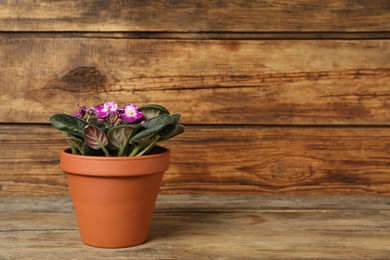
(65, 152)
(102, 166)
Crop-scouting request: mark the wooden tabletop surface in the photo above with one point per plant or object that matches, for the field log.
(210, 227)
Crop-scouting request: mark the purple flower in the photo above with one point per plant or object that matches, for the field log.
(81, 112)
(106, 109)
(91, 110)
(131, 114)
(111, 106)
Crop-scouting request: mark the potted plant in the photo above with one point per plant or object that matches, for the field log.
(114, 168)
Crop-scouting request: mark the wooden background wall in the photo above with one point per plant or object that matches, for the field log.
(287, 97)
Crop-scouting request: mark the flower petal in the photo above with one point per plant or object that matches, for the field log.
(110, 106)
(101, 112)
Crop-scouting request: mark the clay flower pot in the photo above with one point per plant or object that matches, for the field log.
(114, 197)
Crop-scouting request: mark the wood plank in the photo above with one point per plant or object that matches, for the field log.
(179, 203)
(208, 81)
(207, 35)
(195, 16)
(223, 160)
(277, 234)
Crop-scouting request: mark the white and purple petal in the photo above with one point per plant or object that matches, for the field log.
(110, 106)
(131, 114)
(101, 112)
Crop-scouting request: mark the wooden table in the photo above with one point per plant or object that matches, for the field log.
(210, 227)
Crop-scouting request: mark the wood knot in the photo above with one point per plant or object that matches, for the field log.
(291, 169)
(84, 78)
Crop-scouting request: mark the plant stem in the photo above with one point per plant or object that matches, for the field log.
(120, 153)
(73, 148)
(150, 146)
(136, 149)
(105, 150)
(101, 145)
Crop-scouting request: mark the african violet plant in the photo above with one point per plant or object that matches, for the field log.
(107, 130)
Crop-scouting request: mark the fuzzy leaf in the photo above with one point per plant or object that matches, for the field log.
(153, 127)
(147, 133)
(69, 124)
(176, 118)
(75, 143)
(95, 137)
(170, 128)
(163, 119)
(151, 111)
(178, 130)
(119, 136)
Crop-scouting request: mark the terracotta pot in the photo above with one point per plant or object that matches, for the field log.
(114, 197)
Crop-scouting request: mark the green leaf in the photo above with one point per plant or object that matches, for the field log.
(153, 127)
(178, 130)
(151, 111)
(119, 137)
(75, 144)
(176, 117)
(170, 129)
(163, 119)
(95, 137)
(69, 124)
(147, 133)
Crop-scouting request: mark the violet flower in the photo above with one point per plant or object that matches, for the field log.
(106, 109)
(81, 112)
(131, 114)
(91, 110)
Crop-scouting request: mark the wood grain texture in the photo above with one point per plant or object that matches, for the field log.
(208, 81)
(180, 203)
(207, 35)
(195, 16)
(260, 160)
(289, 97)
(261, 227)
